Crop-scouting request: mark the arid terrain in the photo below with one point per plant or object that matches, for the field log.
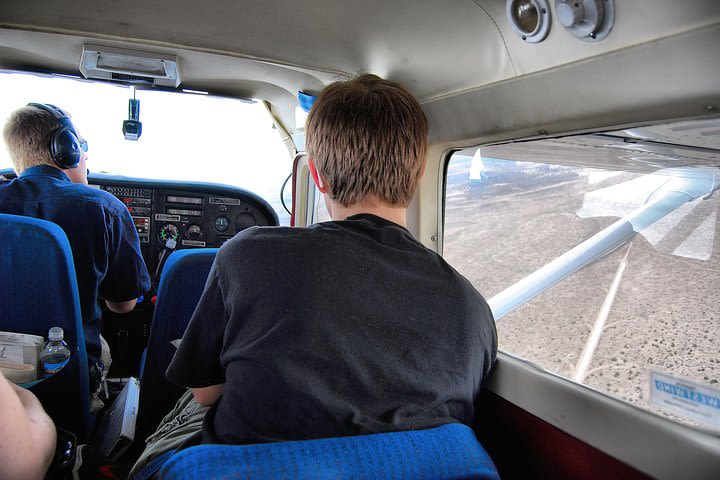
(664, 316)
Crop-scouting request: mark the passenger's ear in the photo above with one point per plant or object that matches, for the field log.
(321, 185)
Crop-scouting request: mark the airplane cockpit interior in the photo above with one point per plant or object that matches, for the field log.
(571, 176)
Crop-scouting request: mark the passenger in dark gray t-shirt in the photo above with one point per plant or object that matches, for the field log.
(341, 328)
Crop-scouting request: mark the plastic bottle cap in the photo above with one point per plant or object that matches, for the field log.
(56, 333)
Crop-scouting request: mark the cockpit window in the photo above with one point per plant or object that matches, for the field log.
(188, 137)
(600, 258)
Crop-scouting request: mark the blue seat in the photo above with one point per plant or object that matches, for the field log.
(38, 290)
(446, 452)
(181, 284)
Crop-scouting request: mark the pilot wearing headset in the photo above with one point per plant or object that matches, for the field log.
(49, 158)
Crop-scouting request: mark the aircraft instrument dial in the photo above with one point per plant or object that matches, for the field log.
(169, 231)
(222, 224)
(194, 232)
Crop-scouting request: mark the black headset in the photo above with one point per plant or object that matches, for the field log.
(65, 148)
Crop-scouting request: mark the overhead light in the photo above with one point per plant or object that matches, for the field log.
(529, 19)
(129, 66)
(589, 20)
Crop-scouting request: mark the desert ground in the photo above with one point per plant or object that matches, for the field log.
(664, 316)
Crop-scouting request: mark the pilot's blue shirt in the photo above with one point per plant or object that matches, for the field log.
(102, 236)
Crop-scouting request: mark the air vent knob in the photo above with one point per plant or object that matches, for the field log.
(570, 13)
(588, 20)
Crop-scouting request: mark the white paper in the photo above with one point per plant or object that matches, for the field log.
(11, 352)
(21, 348)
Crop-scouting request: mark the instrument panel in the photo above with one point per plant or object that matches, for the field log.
(173, 215)
(170, 216)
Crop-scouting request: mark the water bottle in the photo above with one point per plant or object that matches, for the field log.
(55, 355)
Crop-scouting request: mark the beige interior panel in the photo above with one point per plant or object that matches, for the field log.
(434, 48)
(636, 22)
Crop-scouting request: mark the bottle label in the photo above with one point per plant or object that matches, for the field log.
(51, 368)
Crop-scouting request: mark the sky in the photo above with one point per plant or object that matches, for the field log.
(184, 136)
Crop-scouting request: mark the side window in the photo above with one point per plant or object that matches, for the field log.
(320, 212)
(632, 309)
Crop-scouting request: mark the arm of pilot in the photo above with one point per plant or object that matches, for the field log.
(206, 396)
(127, 276)
(27, 434)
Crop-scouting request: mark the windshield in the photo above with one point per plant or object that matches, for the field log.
(189, 137)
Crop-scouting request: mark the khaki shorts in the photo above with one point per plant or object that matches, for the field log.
(183, 421)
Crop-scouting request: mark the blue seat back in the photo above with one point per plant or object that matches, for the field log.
(181, 285)
(446, 452)
(38, 290)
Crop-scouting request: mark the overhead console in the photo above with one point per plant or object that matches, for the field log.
(172, 215)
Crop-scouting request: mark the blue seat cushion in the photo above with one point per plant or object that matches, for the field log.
(181, 285)
(38, 290)
(446, 452)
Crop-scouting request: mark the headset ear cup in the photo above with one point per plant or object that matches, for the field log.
(65, 148)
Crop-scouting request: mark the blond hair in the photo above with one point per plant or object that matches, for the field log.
(368, 138)
(27, 135)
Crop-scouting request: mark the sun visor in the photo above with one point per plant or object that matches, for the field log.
(129, 66)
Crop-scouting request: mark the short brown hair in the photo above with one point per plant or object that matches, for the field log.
(368, 138)
(27, 135)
